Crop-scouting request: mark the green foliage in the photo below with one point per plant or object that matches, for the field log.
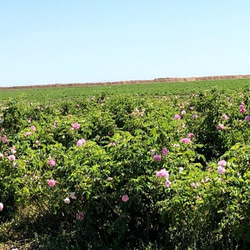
(55, 94)
(198, 208)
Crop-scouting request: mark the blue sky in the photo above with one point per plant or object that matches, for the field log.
(62, 41)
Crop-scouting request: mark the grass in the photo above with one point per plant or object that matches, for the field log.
(59, 93)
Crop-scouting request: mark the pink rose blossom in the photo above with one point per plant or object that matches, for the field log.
(168, 183)
(220, 127)
(51, 182)
(4, 139)
(80, 142)
(221, 170)
(183, 112)
(194, 116)
(247, 118)
(125, 198)
(176, 117)
(1, 206)
(224, 117)
(157, 157)
(152, 152)
(33, 128)
(80, 216)
(52, 163)
(72, 195)
(66, 200)
(185, 140)
(242, 106)
(12, 157)
(191, 135)
(55, 124)
(27, 133)
(37, 143)
(242, 111)
(162, 173)
(181, 169)
(112, 144)
(195, 184)
(13, 150)
(222, 163)
(75, 126)
(164, 151)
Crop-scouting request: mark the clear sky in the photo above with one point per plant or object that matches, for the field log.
(77, 41)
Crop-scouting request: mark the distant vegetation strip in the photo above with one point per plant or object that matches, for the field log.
(156, 80)
(160, 89)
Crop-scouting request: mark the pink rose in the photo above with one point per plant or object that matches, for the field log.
(220, 127)
(242, 105)
(72, 195)
(247, 118)
(181, 169)
(1, 206)
(242, 111)
(80, 216)
(4, 139)
(191, 135)
(66, 200)
(195, 184)
(183, 112)
(37, 143)
(176, 117)
(221, 170)
(224, 117)
(222, 163)
(185, 140)
(52, 163)
(164, 151)
(162, 173)
(33, 128)
(80, 142)
(75, 126)
(168, 183)
(125, 198)
(51, 182)
(12, 157)
(112, 144)
(13, 150)
(152, 152)
(157, 157)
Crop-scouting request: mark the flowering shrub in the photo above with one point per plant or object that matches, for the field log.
(149, 170)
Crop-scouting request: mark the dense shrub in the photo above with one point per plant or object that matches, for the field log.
(87, 172)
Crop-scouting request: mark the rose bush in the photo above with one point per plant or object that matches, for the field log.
(128, 171)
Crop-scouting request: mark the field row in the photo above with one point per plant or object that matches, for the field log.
(54, 94)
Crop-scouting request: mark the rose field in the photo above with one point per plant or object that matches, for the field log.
(114, 170)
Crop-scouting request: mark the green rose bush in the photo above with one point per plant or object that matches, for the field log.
(128, 171)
